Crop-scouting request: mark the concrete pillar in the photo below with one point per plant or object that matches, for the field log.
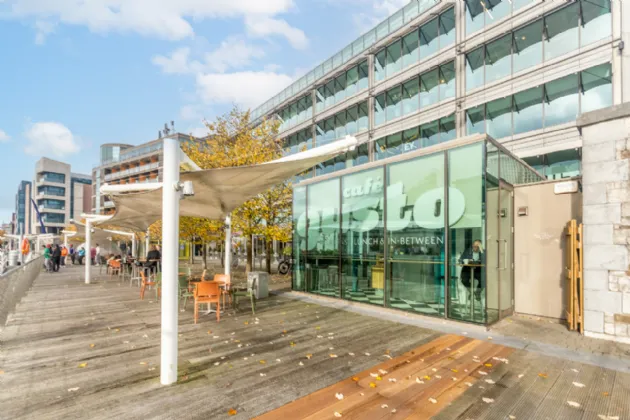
(88, 247)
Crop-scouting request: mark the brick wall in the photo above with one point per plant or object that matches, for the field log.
(606, 218)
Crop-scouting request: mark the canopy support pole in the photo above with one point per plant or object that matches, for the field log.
(88, 249)
(147, 242)
(228, 244)
(134, 246)
(170, 261)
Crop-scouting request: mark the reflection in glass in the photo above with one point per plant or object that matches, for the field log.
(299, 237)
(429, 88)
(363, 75)
(474, 68)
(447, 28)
(474, 16)
(358, 156)
(411, 48)
(499, 58)
(352, 117)
(528, 109)
(380, 148)
(447, 81)
(340, 88)
(596, 88)
(447, 129)
(322, 262)
(561, 28)
(362, 242)
(528, 46)
(430, 133)
(411, 96)
(340, 125)
(363, 116)
(596, 21)
(379, 65)
(394, 58)
(561, 100)
(379, 109)
(429, 38)
(467, 233)
(497, 9)
(411, 140)
(394, 143)
(352, 81)
(415, 223)
(330, 93)
(475, 120)
(499, 118)
(394, 108)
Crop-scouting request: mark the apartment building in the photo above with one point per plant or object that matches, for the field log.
(60, 195)
(23, 208)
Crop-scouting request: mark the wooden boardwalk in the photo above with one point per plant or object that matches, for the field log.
(75, 351)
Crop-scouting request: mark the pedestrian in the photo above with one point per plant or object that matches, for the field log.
(47, 258)
(64, 254)
(56, 258)
(72, 253)
(97, 258)
(92, 255)
(81, 254)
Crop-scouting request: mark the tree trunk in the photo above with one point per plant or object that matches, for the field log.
(250, 254)
(204, 253)
(192, 252)
(269, 254)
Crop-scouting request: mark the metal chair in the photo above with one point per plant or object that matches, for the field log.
(250, 293)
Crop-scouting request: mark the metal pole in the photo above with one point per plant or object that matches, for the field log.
(65, 240)
(20, 249)
(88, 249)
(170, 261)
(228, 244)
(134, 246)
(147, 241)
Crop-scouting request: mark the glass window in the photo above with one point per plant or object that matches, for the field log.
(395, 21)
(382, 30)
(357, 47)
(411, 140)
(447, 81)
(466, 232)
(596, 21)
(352, 81)
(347, 53)
(528, 46)
(394, 107)
(447, 28)
(380, 148)
(499, 117)
(369, 38)
(415, 230)
(299, 237)
(322, 261)
(561, 28)
(429, 38)
(475, 120)
(411, 11)
(497, 10)
(379, 65)
(337, 60)
(340, 88)
(411, 49)
(394, 143)
(330, 93)
(363, 122)
(499, 58)
(352, 117)
(340, 125)
(447, 128)
(596, 88)
(430, 133)
(563, 164)
(411, 96)
(363, 75)
(429, 88)
(474, 16)
(517, 4)
(528, 110)
(394, 58)
(474, 69)
(561, 100)
(358, 156)
(379, 109)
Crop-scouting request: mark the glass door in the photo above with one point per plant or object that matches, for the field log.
(506, 250)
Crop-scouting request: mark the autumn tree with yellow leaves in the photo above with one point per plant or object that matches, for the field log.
(232, 141)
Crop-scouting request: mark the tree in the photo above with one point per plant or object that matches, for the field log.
(233, 141)
(277, 208)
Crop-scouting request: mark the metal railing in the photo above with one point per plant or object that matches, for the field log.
(15, 282)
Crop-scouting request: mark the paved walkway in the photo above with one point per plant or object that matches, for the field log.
(72, 350)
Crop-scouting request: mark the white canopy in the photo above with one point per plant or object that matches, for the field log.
(217, 191)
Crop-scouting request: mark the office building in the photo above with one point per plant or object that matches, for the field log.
(60, 195)
(23, 208)
(522, 72)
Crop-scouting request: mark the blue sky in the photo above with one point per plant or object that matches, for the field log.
(74, 76)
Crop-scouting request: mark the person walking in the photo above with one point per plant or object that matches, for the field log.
(93, 255)
(47, 258)
(56, 258)
(64, 254)
(81, 255)
(97, 258)
(72, 253)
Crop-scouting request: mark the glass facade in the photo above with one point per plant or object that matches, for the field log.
(51, 204)
(422, 91)
(343, 86)
(296, 113)
(298, 142)
(556, 102)
(56, 191)
(558, 33)
(347, 122)
(558, 165)
(53, 177)
(480, 14)
(408, 235)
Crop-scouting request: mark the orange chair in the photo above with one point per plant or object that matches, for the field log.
(147, 282)
(225, 281)
(207, 292)
(115, 267)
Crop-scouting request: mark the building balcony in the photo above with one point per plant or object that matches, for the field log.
(43, 182)
(133, 171)
(45, 209)
(42, 195)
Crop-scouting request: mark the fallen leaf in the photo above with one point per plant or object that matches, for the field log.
(432, 400)
(490, 381)
(427, 377)
(1, 372)
(454, 370)
(438, 376)
(232, 412)
(92, 346)
(468, 384)
(351, 354)
(143, 363)
(487, 400)
(292, 344)
(574, 404)
(355, 378)
(367, 354)
(82, 365)
(217, 363)
(543, 375)
(373, 375)
(372, 385)
(73, 389)
(263, 374)
(579, 385)
(520, 376)
(605, 394)
(387, 352)
(116, 330)
(339, 396)
(418, 381)
(511, 417)
(209, 332)
(278, 360)
(337, 414)
(382, 372)
(262, 362)
(384, 406)
(301, 364)
(378, 378)
(392, 379)
(481, 372)
(488, 365)
(333, 356)
(245, 323)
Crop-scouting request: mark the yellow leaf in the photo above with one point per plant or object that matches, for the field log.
(292, 344)
(372, 385)
(262, 362)
(209, 332)
(355, 378)
(605, 394)
(246, 323)
(116, 330)
(317, 328)
(232, 412)
(143, 363)
(454, 370)
(386, 351)
(82, 365)
(488, 365)
(427, 377)
(378, 378)
(308, 356)
(1, 372)
(543, 375)
(92, 346)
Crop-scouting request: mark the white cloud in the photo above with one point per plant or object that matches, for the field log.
(166, 19)
(191, 113)
(4, 137)
(263, 26)
(246, 89)
(176, 63)
(198, 131)
(50, 138)
(370, 16)
(44, 28)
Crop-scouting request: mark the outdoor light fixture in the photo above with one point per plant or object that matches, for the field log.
(186, 188)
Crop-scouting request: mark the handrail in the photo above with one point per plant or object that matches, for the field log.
(15, 283)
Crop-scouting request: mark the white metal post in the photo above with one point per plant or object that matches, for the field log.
(228, 244)
(170, 261)
(88, 249)
(134, 246)
(65, 240)
(147, 242)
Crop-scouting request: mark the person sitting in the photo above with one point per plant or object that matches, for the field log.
(473, 260)
(153, 258)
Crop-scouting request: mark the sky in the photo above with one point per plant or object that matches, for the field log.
(76, 74)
